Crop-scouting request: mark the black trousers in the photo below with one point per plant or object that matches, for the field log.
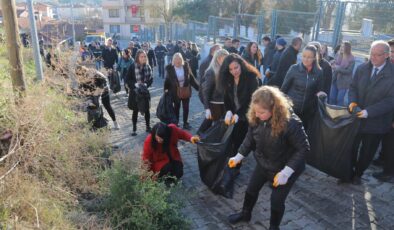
(107, 104)
(388, 152)
(135, 118)
(238, 135)
(278, 194)
(362, 157)
(160, 64)
(185, 106)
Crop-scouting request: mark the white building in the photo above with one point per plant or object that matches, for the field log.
(80, 11)
(127, 17)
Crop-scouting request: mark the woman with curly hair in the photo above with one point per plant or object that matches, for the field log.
(279, 142)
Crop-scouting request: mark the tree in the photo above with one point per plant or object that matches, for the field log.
(164, 9)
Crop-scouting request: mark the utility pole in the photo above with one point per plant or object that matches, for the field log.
(34, 36)
(72, 20)
(13, 46)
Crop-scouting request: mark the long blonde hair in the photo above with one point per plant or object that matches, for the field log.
(272, 99)
(215, 65)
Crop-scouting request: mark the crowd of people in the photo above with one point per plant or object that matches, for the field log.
(271, 99)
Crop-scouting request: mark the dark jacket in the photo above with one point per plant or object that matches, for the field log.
(160, 52)
(232, 50)
(288, 58)
(170, 47)
(151, 58)
(376, 96)
(327, 76)
(201, 73)
(110, 57)
(171, 82)
(247, 85)
(273, 67)
(130, 81)
(302, 87)
(251, 60)
(269, 52)
(194, 58)
(209, 90)
(343, 76)
(274, 153)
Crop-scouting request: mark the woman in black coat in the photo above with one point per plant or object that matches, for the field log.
(179, 80)
(238, 81)
(139, 76)
(195, 57)
(279, 142)
(303, 82)
(253, 56)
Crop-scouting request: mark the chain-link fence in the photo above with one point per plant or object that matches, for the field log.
(249, 27)
(220, 27)
(198, 31)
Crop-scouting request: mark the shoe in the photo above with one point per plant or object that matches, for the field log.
(148, 129)
(239, 217)
(274, 228)
(343, 181)
(134, 133)
(116, 125)
(383, 177)
(356, 180)
(186, 126)
(378, 162)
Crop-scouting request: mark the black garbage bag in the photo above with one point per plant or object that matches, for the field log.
(331, 138)
(165, 110)
(213, 150)
(114, 81)
(95, 114)
(142, 98)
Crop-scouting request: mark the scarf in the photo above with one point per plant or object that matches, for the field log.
(144, 74)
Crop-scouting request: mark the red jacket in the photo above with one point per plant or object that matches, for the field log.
(157, 158)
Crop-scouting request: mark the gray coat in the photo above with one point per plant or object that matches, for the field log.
(274, 153)
(343, 76)
(209, 90)
(376, 96)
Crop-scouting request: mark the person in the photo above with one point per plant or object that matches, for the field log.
(94, 83)
(170, 47)
(342, 70)
(194, 58)
(227, 44)
(204, 66)
(139, 75)
(279, 142)
(288, 58)
(186, 54)
(235, 44)
(326, 68)
(125, 62)
(238, 81)
(386, 157)
(160, 52)
(324, 53)
(98, 55)
(271, 70)
(160, 151)
(51, 58)
(269, 52)
(133, 49)
(253, 56)
(213, 98)
(302, 83)
(41, 47)
(179, 79)
(371, 97)
(110, 55)
(151, 54)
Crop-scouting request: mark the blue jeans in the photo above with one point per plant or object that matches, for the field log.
(98, 65)
(337, 96)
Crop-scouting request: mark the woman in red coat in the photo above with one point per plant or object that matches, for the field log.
(161, 152)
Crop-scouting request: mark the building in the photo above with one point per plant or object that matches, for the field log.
(127, 18)
(80, 11)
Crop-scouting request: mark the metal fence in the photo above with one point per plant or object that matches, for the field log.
(249, 26)
(220, 27)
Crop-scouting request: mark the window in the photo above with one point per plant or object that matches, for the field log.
(113, 13)
(114, 29)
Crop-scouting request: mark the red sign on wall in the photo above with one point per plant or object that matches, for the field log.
(136, 28)
(133, 9)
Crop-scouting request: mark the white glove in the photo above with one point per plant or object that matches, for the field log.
(234, 161)
(208, 114)
(227, 118)
(362, 114)
(282, 176)
(321, 93)
(234, 119)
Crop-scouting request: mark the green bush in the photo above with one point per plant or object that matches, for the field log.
(135, 203)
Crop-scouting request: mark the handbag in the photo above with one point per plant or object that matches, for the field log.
(184, 92)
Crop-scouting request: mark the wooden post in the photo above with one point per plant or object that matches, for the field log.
(13, 46)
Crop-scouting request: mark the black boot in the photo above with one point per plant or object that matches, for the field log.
(276, 218)
(246, 214)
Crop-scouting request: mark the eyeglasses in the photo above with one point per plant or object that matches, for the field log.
(377, 55)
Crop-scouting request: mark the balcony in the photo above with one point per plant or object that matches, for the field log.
(113, 3)
(134, 20)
